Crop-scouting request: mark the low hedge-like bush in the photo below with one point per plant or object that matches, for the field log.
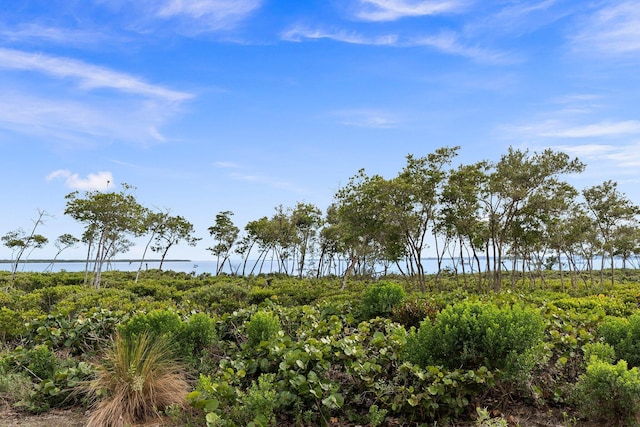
(609, 393)
(380, 298)
(468, 335)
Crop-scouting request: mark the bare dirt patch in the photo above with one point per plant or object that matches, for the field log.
(54, 418)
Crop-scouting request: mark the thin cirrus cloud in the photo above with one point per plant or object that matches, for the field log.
(187, 17)
(559, 129)
(36, 33)
(267, 180)
(611, 30)
(623, 156)
(87, 75)
(602, 129)
(81, 122)
(392, 10)
(300, 33)
(448, 43)
(365, 119)
(94, 181)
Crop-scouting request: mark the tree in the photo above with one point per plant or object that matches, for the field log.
(610, 210)
(225, 234)
(460, 212)
(170, 231)
(63, 242)
(419, 185)
(20, 242)
(362, 223)
(517, 192)
(108, 218)
(306, 220)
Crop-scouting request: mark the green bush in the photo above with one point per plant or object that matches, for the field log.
(220, 298)
(196, 335)
(11, 324)
(380, 298)
(156, 323)
(624, 336)
(468, 335)
(262, 326)
(39, 362)
(608, 392)
(412, 312)
(599, 350)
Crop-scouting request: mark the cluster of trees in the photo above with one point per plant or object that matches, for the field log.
(516, 215)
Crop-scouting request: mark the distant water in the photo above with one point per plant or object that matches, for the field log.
(200, 267)
(197, 267)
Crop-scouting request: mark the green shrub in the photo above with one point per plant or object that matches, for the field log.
(11, 324)
(15, 387)
(220, 298)
(380, 298)
(262, 326)
(413, 311)
(624, 336)
(468, 335)
(608, 392)
(39, 362)
(156, 323)
(196, 335)
(599, 350)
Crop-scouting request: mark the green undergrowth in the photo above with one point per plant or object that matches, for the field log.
(275, 350)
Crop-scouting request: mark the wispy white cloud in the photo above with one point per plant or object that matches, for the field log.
(621, 156)
(59, 118)
(558, 129)
(299, 33)
(267, 180)
(94, 181)
(612, 30)
(391, 10)
(88, 76)
(365, 118)
(187, 17)
(518, 18)
(448, 43)
(36, 33)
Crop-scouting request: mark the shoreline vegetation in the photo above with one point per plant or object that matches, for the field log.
(275, 350)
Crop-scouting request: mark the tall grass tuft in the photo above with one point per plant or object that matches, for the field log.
(138, 378)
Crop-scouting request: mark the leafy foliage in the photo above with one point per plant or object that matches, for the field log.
(380, 298)
(474, 334)
(608, 392)
(262, 327)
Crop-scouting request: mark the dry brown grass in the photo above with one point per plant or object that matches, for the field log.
(138, 378)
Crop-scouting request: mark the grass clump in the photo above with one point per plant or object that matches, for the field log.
(138, 377)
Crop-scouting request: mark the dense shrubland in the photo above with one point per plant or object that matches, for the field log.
(274, 350)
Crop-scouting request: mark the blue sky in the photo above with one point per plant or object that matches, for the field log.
(243, 105)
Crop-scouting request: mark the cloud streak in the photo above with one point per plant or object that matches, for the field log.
(612, 30)
(87, 75)
(556, 129)
(448, 43)
(186, 17)
(267, 180)
(392, 10)
(373, 119)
